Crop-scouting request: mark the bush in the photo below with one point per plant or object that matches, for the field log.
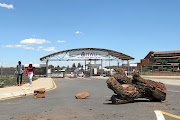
(160, 68)
(1, 85)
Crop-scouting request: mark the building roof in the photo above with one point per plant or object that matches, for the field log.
(116, 54)
(167, 52)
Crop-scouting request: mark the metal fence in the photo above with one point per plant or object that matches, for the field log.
(11, 71)
(160, 70)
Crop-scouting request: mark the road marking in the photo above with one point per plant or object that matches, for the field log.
(173, 91)
(159, 115)
(171, 115)
(54, 84)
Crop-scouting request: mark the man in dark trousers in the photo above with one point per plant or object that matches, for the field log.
(19, 71)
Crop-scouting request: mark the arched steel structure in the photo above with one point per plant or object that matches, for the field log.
(113, 54)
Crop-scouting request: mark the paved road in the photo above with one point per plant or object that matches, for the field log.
(61, 104)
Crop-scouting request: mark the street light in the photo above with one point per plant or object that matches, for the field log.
(1, 69)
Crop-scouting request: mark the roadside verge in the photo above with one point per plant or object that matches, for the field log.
(169, 80)
(26, 90)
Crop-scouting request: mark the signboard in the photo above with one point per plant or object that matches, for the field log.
(88, 54)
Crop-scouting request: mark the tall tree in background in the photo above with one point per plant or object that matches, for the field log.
(163, 62)
(67, 69)
(74, 66)
(79, 65)
(58, 68)
(51, 67)
(178, 60)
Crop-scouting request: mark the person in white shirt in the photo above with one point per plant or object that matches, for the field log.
(19, 71)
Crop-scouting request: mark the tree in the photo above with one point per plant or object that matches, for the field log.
(163, 62)
(67, 69)
(58, 68)
(74, 66)
(178, 60)
(79, 65)
(51, 67)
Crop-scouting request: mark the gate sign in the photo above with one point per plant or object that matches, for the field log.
(88, 54)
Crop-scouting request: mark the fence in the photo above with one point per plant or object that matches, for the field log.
(11, 71)
(160, 70)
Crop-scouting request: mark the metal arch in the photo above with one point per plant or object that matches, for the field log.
(115, 54)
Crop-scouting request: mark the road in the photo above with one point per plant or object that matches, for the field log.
(60, 104)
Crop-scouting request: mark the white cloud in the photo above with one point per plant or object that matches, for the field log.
(61, 41)
(78, 32)
(9, 46)
(30, 48)
(10, 6)
(16, 46)
(50, 49)
(19, 46)
(40, 48)
(32, 41)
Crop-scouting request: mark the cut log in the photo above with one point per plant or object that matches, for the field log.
(127, 89)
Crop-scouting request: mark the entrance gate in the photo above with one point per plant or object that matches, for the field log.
(88, 55)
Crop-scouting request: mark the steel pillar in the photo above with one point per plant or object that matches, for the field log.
(46, 68)
(101, 68)
(90, 69)
(128, 67)
(117, 63)
(85, 65)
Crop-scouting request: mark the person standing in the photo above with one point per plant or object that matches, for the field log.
(19, 71)
(30, 73)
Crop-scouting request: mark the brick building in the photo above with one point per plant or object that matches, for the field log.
(171, 58)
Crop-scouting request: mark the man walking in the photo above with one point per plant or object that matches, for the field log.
(19, 71)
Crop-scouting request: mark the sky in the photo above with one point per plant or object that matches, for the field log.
(31, 29)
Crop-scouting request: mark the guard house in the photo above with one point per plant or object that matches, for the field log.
(88, 55)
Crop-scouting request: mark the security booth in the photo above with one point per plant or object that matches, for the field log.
(57, 74)
(93, 58)
(62, 73)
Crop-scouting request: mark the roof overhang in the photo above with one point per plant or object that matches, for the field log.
(112, 53)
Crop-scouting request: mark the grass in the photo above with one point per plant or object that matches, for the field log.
(11, 80)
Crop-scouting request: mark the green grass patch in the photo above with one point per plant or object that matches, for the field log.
(11, 80)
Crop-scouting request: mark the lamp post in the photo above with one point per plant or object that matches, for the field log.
(1, 69)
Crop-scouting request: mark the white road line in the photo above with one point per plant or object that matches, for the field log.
(159, 115)
(173, 91)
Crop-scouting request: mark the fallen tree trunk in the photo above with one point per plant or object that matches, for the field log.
(127, 89)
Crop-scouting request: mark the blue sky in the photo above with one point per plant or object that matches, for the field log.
(133, 27)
